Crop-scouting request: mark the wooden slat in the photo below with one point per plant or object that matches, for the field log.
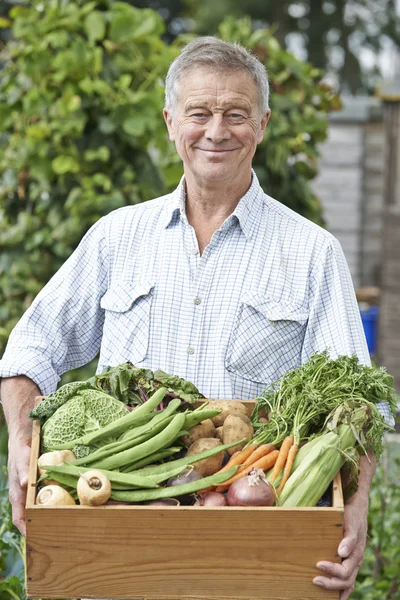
(143, 551)
(337, 492)
(32, 478)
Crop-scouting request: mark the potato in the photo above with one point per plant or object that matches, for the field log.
(235, 428)
(205, 429)
(245, 419)
(228, 407)
(218, 433)
(207, 466)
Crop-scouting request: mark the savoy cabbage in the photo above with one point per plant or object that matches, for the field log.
(87, 411)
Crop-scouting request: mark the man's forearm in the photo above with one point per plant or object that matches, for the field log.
(367, 471)
(18, 398)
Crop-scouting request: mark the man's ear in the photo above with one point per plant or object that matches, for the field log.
(169, 122)
(263, 125)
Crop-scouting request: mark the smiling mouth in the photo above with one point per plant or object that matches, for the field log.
(218, 151)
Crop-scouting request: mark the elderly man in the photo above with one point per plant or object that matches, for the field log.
(216, 282)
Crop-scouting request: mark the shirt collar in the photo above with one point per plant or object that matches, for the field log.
(246, 212)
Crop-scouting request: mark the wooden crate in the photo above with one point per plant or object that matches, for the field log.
(178, 553)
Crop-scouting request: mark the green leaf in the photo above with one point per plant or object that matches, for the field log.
(65, 164)
(5, 23)
(95, 26)
(122, 26)
(134, 125)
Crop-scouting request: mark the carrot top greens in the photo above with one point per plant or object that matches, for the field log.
(302, 400)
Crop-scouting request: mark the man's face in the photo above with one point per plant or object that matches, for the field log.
(216, 124)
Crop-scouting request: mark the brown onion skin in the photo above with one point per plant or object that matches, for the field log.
(240, 493)
(211, 499)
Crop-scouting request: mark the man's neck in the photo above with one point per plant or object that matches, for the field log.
(207, 206)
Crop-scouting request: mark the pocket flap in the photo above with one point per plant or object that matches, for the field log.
(120, 296)
(274, 310)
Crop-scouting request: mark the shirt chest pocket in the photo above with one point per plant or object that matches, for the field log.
(266, 339)
(126, 330)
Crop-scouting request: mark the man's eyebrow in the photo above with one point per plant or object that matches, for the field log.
(231, 106)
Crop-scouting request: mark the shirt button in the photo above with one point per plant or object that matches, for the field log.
(193, 250)
(197, 300)
(190, 350)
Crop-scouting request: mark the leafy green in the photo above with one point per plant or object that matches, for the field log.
(53, 401)
(87, 411)
(133, 385)
(323, 388)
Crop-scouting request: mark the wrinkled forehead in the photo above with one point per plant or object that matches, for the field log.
(206, 84)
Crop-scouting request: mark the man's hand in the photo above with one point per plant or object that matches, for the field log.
(18, 398)
(351, 550)
(18, 467)
(342, 577)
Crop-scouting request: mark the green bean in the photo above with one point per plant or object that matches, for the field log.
(71, 481)
(187, 460)
(158, 416)
(195, 417)
(152, 458)
(157, 442)
(129, 479)
(117, 447)
(63, 478)
(173, 491)
(119, 425)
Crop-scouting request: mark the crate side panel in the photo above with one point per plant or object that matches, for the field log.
(32, 476)
(209, 553)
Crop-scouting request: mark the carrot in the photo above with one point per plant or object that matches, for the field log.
(238, 458)
(283, 453)
(264, 463)
(288, 466)
(259, 452)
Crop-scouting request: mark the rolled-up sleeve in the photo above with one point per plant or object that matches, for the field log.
(334, 319)
(62, 328)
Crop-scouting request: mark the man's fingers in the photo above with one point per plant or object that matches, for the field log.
(345, 594)
(18, 481)
(334, 583)
(347, 544)
(18, 518)
(344, 570)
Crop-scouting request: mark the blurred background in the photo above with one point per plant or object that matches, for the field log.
(81, 133)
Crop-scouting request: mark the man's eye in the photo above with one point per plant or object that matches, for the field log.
(198, 115)
(236, 116)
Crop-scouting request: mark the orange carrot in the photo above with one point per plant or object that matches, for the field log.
(288, 466)
(283, 453)
(259, 452)
(238, 458)
(264, 463)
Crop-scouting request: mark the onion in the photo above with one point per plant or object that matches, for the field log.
(252, 490)
(210, 499)
(187, 476)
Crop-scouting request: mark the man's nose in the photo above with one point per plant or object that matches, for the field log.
(217, 130)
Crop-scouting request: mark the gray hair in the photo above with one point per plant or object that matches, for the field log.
(208, 51)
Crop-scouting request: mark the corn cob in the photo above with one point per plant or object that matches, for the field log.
(318, 468)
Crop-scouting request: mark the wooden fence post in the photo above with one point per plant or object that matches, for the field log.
(389, 321)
